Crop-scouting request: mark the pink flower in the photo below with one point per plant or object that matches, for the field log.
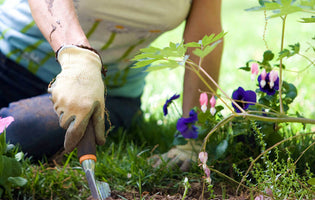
(260, 197)
(203, 99)
(273, 76)
(206, 170)
(255, 70)
(263, 78)
(203, 157)
(5, 122)
(212, 104)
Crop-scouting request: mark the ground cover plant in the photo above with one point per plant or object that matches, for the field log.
(257, 136)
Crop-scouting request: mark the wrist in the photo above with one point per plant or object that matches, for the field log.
(80, 55)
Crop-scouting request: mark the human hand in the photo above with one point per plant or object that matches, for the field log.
(180, 155)
(78, 94)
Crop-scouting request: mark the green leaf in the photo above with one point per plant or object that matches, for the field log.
(180, 140)
(3, 144)
(271, 6)
(295, 48)
(247, 68)
(290, 92)
(206, 40)
(219, 108)
(9, 167)
(144, 63)
(279, 8)
(202, 116)
(192, 44)
(171, 64)
(278, 65)
(284, 53)
(18, 181)
(221, 148)
(308, 20)
(268, 56)
(264, 101)
(205, 51)
(308, 3)
(311, 181)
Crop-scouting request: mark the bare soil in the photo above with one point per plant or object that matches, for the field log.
(196, 192)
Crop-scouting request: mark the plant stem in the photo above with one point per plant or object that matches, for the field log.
(280, 67)
(196, 71)
(279, 119)
(229, 178)
(217, 85)
(221, 123)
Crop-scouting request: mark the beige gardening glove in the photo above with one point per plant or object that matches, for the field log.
(181, 156)
(78, 94)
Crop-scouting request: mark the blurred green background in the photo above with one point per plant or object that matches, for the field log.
(244, 41)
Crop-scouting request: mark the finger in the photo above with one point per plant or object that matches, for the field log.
(99, 123)
(185, 166)
(75, 130)
(100, 132)
(72, 138)
(65, 120)
(174, 162)
(157, 164)
(74, 134)
(99, 126)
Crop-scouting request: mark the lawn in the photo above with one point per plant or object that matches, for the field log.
(123, 160)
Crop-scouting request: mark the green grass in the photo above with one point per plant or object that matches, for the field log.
(123, 160)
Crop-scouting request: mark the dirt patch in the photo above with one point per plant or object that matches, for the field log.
(196, 192)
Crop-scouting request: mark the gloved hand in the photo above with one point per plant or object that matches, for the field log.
(78, 94)
(181, 156)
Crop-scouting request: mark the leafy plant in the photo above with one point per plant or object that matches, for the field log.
(238, 130)
(10, 166)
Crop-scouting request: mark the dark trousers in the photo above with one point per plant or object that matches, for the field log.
(35, 127)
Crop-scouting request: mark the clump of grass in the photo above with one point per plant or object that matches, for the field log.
(278, 179)
(275, 173)
(125, 161)
(53, 181)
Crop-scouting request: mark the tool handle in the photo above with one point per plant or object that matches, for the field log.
(87, 145)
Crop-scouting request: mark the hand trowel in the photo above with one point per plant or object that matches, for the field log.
(87, 156)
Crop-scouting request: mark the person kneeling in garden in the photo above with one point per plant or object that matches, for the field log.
(88, 38)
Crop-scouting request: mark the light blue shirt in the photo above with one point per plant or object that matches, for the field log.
(117, 29)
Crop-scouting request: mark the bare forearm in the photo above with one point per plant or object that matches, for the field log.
(193, 84)
(58, 22)
(204, 19)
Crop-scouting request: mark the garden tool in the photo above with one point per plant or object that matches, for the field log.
(87, 156)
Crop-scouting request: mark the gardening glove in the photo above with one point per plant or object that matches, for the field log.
(181, 156)
(78, 94)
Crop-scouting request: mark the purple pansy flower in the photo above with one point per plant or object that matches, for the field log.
(187, 127)
(271, 83)
(168, 102)
(241, 95)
